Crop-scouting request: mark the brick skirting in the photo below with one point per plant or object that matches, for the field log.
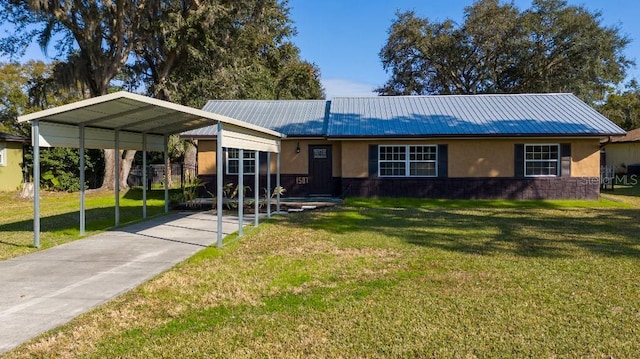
(475, 188)
(297, 185)
(450, 188)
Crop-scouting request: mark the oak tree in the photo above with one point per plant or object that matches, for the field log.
(550, 47)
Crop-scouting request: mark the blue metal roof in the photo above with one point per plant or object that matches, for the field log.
(420, 116)
(466, 115)
(302, 118)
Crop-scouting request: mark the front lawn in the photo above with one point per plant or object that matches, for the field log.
(388, 278)
(60, 217)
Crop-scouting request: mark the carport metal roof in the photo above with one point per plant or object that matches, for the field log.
(125, 120)
(133, 115)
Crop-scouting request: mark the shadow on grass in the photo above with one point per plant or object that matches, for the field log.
(15, 244)
(100, 218)
(487, 228)
(96, 219)
(158, 194)
(625, 190)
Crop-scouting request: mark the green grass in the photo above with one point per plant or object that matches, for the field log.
(388, 278)
(60, 218)
(443, 203)
(625, 194)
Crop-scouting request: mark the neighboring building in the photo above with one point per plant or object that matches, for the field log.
(11, 160)
(623, 151)
(459, 146)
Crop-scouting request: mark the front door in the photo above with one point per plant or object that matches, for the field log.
(320, 176)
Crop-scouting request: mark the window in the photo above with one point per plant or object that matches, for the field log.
(319, 153)
(3, 155)
(408, 161)
(233, 161)
(541, 160)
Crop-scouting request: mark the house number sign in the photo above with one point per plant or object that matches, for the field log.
(302, 180)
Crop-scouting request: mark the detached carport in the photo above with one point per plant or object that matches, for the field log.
(127, 121)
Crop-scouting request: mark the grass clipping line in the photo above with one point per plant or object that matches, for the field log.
(376, 282)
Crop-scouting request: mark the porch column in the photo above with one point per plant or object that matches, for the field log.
(116, 174)
(166, 173)
(82, 180)
(256, 186)
(240, 190)
(219, 184)
(278, 183)
(268, 184)
(36, 183)
(144, 175)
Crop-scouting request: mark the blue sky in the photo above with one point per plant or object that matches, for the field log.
(343, 37)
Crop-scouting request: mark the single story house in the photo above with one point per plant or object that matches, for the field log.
(11, 161)
(516, 146)
(623, 151)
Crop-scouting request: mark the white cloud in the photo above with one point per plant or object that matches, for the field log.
(347, 88)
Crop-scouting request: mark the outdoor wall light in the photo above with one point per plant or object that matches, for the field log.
(298, 148)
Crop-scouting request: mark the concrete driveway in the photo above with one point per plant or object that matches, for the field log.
(43, 290)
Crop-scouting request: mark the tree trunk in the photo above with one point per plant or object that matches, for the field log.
(190, 159)
(125, 167)
(169, 175)
(28, 191)
(108, 182)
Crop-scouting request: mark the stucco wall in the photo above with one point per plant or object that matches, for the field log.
(585, 158)
(481, 158)
(478, 158)
(291, 162)
(467, 157)
(206, 157)
(11, 173)
(618, 154)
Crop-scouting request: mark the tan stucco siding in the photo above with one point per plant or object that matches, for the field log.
(206, 157)
(620, 155)
(298, 163)
(585, 158)
(355, 163)
(466, 157)
(481, 158)
(336, 159)
(477, 158)
(291, 162)
(11, 171)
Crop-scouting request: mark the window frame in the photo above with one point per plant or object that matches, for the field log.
(557, 160)
(249, 160)
(3, 155)
(407, 161)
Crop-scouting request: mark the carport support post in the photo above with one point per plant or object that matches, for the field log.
(36, 183)
(82, 169)
(256, 188)
(219, 185)
(278, 182)
(240, 190)
(166, 173)
(116, 174)
(268, 184)
(144, 175)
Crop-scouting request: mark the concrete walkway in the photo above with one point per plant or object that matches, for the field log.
(43, 290)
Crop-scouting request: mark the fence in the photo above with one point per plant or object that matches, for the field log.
(607, 177)
(180, 174)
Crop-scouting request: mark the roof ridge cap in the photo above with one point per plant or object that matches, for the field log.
(459, 95)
